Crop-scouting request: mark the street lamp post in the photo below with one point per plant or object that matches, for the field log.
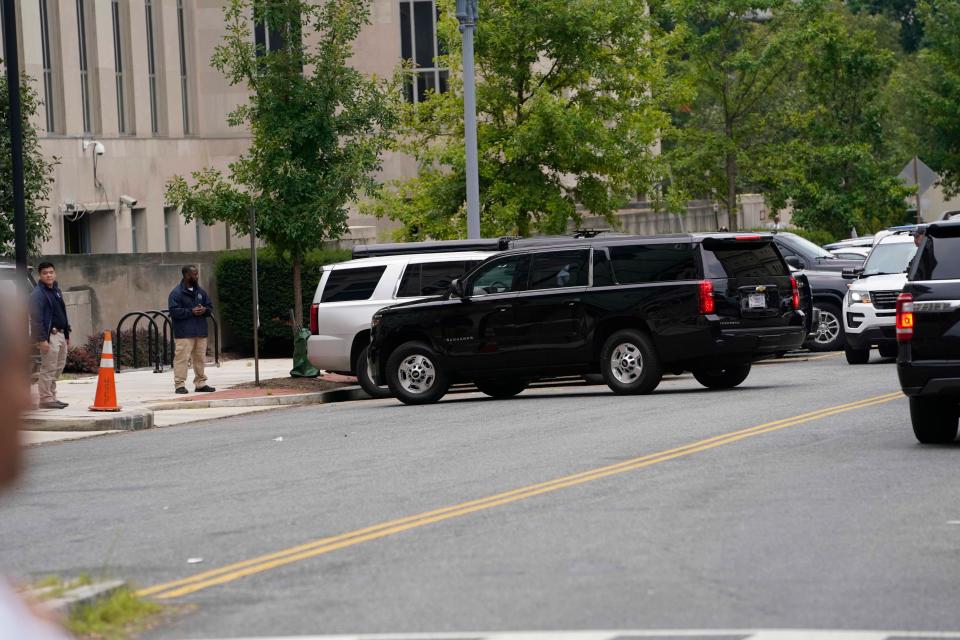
(12, 62)
(467, 15)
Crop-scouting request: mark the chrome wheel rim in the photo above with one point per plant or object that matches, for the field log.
(828, 329)
(417, 374)
(626, 363)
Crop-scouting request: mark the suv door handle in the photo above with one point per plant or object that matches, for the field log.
(504, 307)
(573, 302)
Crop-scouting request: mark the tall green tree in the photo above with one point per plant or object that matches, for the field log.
(568, 95)
(37, 171)
(904, 12)
(834, 164)
(739, 54)
(318, 127)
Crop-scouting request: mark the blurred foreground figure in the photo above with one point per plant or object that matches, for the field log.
(18, 621)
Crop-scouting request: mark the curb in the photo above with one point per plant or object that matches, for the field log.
(130, 420)
(84, 595)
(343, 394)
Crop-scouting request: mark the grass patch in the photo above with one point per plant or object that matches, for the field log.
(116, 617)
(52, 587)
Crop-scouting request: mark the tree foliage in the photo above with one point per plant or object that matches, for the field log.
(568, 96)
(37, 170)
(318, 127)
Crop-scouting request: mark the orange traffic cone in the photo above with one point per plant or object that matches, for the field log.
(106, 399)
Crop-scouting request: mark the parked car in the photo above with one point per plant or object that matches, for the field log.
(350, 292)
(870, 306)
(928, 332)
(862, 241)
(852, 253)
(631, 308)
(803, 254)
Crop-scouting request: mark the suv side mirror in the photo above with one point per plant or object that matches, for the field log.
(456, 288)
(795, 262)
(851, 273)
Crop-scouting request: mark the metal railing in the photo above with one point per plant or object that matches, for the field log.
(161, 345)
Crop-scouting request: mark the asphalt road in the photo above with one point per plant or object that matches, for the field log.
(835, 519)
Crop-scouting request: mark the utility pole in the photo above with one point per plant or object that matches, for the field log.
(12, 61)
(255, 287)
(467, 15)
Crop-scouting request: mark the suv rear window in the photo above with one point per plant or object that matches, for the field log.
(751, 260)
(636, 264)
(351, 284)
(939, 259)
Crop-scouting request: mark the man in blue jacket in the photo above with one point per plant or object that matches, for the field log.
(51, 331)
(190, 307)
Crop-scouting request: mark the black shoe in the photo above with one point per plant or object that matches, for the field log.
(181, 390)
(63, 404)
(205, 389)
(52, 405)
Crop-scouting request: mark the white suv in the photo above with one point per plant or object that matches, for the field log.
(870, 306)
(349, 293)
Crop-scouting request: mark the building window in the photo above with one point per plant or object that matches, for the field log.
(76, 233)
(152, 67)
(420, 47)
(184, 94)
(171, 229)
(124, 110)
(85, 101)
(48, 93)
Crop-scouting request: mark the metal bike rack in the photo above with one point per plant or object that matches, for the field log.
(153, 338)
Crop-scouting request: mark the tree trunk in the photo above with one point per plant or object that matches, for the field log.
(297, 288)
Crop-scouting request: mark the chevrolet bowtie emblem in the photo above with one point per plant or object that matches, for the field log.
(761, 289)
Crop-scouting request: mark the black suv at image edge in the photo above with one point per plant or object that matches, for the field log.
(928, 332)
(631, 308)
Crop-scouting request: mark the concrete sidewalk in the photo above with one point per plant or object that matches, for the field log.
(141, 393)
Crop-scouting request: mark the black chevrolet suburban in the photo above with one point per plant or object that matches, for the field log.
(928, 332)
(631, 308)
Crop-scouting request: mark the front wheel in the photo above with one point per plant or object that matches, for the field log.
(856, 356)
(934, 420)
(828, 333)
(502, 389)
(362, 372)
(629, 363)
(723, 377)
(414, 374)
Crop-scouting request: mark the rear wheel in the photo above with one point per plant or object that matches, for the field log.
(888, 350)
(722, 377)
(506, 388)
(856, 356)
(934, 420)
(363, 377)
(629, 363)
(828, 332)
(414, 374)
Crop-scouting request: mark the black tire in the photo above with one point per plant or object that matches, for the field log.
(410, 360)
(724, 377)
(934, 420)
(828, 333)
(363, 377)
(502, 389)
(856, 356)
(888, 350)
(637, 370)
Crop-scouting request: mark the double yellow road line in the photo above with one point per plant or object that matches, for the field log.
(237, 570)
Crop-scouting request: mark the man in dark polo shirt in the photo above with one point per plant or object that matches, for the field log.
(50, 328)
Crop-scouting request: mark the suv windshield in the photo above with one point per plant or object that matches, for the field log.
(809, 247)
(889, 258)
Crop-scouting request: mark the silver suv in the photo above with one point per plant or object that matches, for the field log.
(349, 293)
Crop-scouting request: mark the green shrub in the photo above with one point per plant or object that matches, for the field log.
(85, 357)
(275, 277)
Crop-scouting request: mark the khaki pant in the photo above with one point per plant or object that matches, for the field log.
(189, 349)
(51, 366)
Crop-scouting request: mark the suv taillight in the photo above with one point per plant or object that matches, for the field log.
(706, 297)
(904, 317)
(796, 293)
(314, 324)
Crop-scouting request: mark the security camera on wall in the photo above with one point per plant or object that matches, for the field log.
(98, 147)
(128, 201)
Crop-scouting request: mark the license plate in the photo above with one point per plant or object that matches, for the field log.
(758, 301)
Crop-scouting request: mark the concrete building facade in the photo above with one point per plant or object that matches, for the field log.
(130, 100)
